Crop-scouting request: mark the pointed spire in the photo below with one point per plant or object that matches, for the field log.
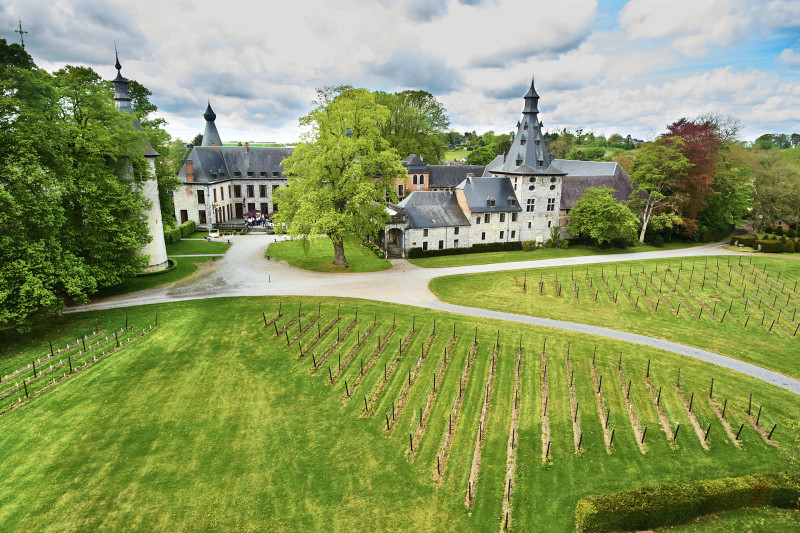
(531, 100)
(122, 100)
(532, 92)
(209, 115)
(116, 53)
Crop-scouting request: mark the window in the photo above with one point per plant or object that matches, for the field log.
(262, 191)
(400, 190)
(522, 142)
(263, 174)
(441, 245)
(513, 201)
(201, 197)
(530, 205)
(184, 215)
(531, 187)
(415, 179)
(237, 191)
(455, 230)
(541, 163)
(532, 180)
(537, 143)
(491, 203)
(551, 204)
(264, 207)
(519, 162)
(549, 223)
(455, 243)
(483, 236)
(487, 217)
(513, 234)
(421, 179)
(237, 174)
(215, 195)
(222, 193)
(276, 174)
(502, 234)
(424, 245)
(502, 217)
(552, 187)
(251, 191)
(250, 174)
(552, 180)
(275, 189)
(229, 192)
(529, 225)
(525, 126)
(477, 220)
(513, 217)
(201, 216)
(425, 232)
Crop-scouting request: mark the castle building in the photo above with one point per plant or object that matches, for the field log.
(220, 183)
(156, 248)
(519, 196)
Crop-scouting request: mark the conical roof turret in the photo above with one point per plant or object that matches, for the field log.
(211, 135)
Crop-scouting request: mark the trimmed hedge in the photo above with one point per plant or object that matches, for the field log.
(797, 246)
(769, 246)
(415, 253)
(172, 235)
(674, 503)
(744, 240)
(788, 247)
(187, 228)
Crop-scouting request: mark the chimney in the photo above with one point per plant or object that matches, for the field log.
(189, 170)
(471, 177)
(246, 147)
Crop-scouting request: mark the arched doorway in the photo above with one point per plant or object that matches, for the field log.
(394, 243)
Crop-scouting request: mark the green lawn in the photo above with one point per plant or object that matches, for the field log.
(319, 256)
(777, 349)
(535, 255)
(184, 430)
(450, 155)
(185, 266)
(197, 247)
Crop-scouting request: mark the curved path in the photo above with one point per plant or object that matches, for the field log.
(244, 272)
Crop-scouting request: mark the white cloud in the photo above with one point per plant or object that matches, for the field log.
(693, 26)
(791, 56)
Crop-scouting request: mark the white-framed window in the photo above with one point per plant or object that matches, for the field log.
(530, 205)
(487, 217)
(513, 233)
(513, 217)
(551, 204)
(502, 234)
(502, 217)
(425, 232)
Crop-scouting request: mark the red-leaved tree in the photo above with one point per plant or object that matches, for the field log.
(701, 142)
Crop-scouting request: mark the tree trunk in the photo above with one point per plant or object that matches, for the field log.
(338, 253)
(645, 221)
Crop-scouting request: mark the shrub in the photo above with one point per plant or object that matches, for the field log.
(414, 253)
(779, 230)
(768, 230)
(172, 236)
(657, 240)
(744, 240)
(797, 246)
(187, 228)
(788, 247)
(782, 239)
(791, 234)
(768, 246)
(674, 503)
(528, 246)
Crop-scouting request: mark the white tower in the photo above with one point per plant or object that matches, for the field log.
(155, 249)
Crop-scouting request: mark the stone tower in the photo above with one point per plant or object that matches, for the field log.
(537, 183)
(156, 248)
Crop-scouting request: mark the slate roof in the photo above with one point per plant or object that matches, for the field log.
(229, 160)
(433, 209)
(480, 191)
(210, 134)
(584, 174)
(448, 176)
(412, 160)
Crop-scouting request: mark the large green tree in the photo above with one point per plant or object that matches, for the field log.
(597, 215)
(415, 124)
(342, 173)
(68, 223)
(658, 165)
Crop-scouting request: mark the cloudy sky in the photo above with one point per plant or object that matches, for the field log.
(607, 66)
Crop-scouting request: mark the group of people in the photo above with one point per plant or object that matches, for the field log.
(258, 220)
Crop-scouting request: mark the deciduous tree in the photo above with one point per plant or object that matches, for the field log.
(415, 124)
(598, 216)
(342, 172)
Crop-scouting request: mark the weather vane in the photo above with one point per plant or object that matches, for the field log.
(21, 34)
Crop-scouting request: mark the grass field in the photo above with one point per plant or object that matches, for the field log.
(185, 266)
(197, 247)
(539, 253)
(665, 298)
(319, 256)
(450, 155)
(185, 430)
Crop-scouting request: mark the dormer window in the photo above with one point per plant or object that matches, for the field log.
(541, 163)
(276, 174)
(525, 126)
(519, 162)
(538, 143)
(512, 200)
(237, 174)
(262, 174)
(522, 142)
(250, 174)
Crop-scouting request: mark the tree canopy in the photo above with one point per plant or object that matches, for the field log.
(597, 215)
(415, 124)
(69, 224)
(342, 172)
